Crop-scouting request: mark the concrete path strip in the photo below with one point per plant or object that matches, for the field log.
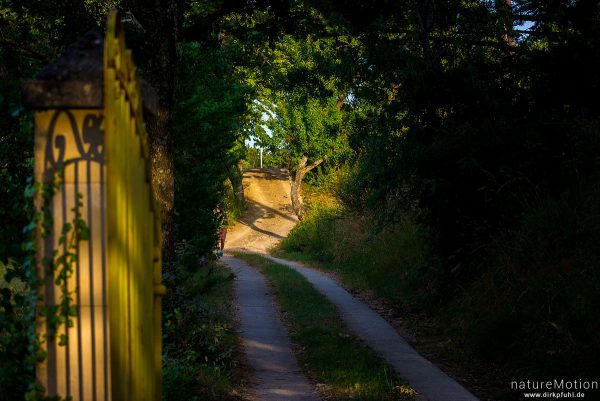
(426, 378)
(265, 340)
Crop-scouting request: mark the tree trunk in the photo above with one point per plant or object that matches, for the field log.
(296, 177)
(238, 188)
(235, 176)
(505, 8)
(295, 183)
(158, 19)
(161, 150)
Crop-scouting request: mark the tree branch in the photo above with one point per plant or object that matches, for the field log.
(24, 50)
(313, 165)
(528, 17)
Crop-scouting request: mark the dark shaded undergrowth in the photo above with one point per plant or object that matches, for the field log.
(199, 342)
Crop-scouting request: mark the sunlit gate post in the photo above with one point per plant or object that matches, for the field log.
(91, 142)
(133, 228)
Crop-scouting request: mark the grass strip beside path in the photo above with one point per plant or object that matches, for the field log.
(345, 368)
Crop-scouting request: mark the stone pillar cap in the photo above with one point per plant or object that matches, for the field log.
(76, 80)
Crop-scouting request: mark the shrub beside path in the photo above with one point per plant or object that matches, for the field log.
(265, 341)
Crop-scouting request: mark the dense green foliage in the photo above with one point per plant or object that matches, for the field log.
(300, 99)
(490, 138)
(473, 134)
(200, 344)
(306, 126)
(14, 331)
(208, 140)
(397, 262)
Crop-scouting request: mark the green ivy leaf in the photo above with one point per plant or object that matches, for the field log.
(63, 340)
(29, 228)
(66, 228)
(84, 234)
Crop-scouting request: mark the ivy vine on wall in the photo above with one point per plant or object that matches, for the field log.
(61, 266)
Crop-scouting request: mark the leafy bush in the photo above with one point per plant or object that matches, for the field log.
(179, 380)
(199, 340)
(208, 110)
(396, 261)
(14, 329)
(313, 234)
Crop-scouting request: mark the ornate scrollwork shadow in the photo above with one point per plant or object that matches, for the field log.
(88, 142)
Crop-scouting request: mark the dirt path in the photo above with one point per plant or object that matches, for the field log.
(427, 379)
(269, 219)
(276, 374)
(269, 216)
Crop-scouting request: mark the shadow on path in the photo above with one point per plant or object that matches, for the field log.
(277, 376)
(261, 212)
